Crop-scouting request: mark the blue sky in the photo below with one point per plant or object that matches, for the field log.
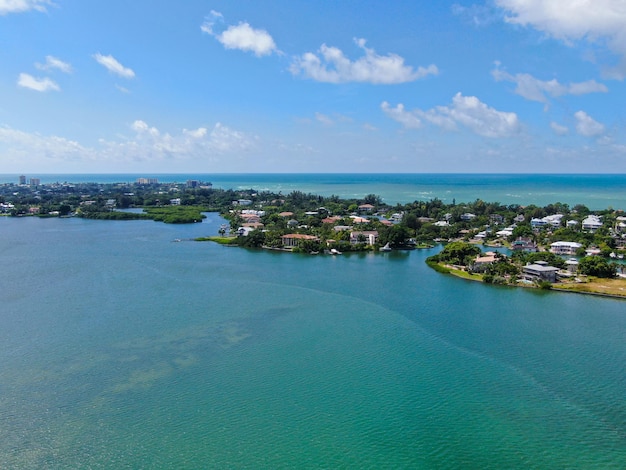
(298, 86)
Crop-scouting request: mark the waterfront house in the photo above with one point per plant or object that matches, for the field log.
(366, 208)
(481, 262)
(572, 265)
(523, 244)
(370, 237)
(564, 248)
(293, 239)
(540, 271)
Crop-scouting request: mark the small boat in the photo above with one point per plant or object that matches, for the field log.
(333, 251)
(385, 248)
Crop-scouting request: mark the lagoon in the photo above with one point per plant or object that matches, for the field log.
(121, 349)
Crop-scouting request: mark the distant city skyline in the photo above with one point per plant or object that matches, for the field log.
(519, 86)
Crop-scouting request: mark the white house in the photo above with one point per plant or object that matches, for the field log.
(369, 236)
(552, 220)
(591, 223)
(564, 248)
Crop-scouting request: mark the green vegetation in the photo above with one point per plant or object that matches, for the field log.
(175, 214)
(457, 253)
(597, 266)
(262, 219)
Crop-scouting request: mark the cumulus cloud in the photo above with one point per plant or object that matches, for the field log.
(586, 125)
(408, 119)
(595, 21)
(38, 84)
(196, 143)
(144, 144)
(534, 89)
(558, 129)
(19, 6)
(22, 144)
(112, 65)
(330, 65)
(467, 111)
(242, 36)
(52, 63)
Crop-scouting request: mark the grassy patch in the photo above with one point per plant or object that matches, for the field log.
(615, 287)
(220, 240)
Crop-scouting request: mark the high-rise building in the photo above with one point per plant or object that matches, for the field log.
(35, 181)
(22, 179)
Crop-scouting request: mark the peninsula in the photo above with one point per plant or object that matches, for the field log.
(555, 246)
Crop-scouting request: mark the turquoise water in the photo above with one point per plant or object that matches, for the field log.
(122, 349)
(596, 191)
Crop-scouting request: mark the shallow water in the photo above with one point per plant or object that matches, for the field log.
(122, 349)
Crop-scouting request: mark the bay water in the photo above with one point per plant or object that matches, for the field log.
(121, 348)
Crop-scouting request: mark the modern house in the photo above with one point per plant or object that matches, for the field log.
(540, 271)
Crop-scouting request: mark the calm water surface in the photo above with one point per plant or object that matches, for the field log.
(122, 349)
(596, 191)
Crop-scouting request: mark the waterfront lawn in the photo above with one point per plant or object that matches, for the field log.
(594, 285)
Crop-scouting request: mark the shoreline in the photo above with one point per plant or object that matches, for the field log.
(460, 274)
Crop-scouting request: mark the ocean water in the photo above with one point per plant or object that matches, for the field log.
(596, 191)
(120, 348)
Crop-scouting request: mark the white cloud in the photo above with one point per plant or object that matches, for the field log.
(243, 36)
(559, 129)
(467, 111)
(534, 89)
(595, 21)
(324, 119)
(197, 143)
(38, 84)
(196, 133)
(54, 63)
(24, 145)
(408, 119)
(112, 65)
(586, 125)
(332, 66)
(145, 146)
(19, 6)
(142, 128)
